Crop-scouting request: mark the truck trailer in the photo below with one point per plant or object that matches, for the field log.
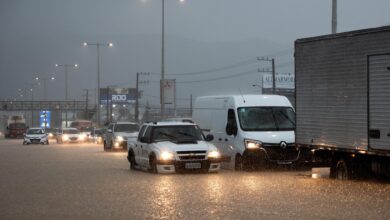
(343, 101)
(15, 126)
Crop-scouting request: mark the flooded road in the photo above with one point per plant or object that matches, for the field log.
(80, 181)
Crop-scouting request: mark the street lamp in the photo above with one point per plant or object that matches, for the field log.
(31, 89)
(66, 66)
(98, 45)
(44, 79)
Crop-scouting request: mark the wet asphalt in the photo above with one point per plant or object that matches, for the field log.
(80, 181)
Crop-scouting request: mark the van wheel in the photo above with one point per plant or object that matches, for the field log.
(153, 164)
(341, 170)
(238, 163)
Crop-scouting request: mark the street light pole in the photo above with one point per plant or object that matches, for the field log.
(44, 84)
(162, 98)
(98, 45)
(32, 100)
(66, 86)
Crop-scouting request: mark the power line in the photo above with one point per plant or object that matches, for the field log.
(214, 79)
(230, 66)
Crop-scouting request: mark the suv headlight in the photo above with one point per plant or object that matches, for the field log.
(252, 144)
(82, 136)
(65, 137)
(214, 154)
(119, 138)
(165, 155)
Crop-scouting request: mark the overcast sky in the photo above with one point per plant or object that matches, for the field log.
(201, 36)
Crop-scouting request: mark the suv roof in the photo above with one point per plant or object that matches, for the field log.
(36, 128)
(168, 123)
(70, 129)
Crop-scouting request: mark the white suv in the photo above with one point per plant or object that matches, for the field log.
(35, 136)
(117, 134)
(168, 147)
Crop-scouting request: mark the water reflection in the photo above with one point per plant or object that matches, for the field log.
(163, 199)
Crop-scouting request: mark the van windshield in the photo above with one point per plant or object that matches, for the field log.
(266, 118)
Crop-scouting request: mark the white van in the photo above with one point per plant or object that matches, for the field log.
(249, 130)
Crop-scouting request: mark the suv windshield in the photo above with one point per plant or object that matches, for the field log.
(126, 128)
(266, 118)
(182, 132)
(35, 131)
(71, 131)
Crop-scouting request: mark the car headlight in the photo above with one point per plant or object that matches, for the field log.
(253, 144)
(65, 137)
(119, 138)
(167, 156)
(214, 154)
(82, 136)
(50, 134)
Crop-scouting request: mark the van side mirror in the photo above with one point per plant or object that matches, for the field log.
(145, 140)
(231, 129)
(209, 137)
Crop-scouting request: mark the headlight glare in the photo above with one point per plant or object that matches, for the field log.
(167, 155)
(252, 144)
(119, 138)
(65, 137)
(214, 154)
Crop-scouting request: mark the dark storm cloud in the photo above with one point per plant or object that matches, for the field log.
(200, 35)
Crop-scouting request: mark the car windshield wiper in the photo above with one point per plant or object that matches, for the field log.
(188, 135)
(285, 116)
(167, 135)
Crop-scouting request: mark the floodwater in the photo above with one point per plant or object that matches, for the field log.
(81, 181)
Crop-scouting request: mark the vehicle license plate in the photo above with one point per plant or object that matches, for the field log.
(193, 165)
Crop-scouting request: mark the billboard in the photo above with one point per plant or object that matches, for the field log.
(118, 95)
(282, 80)
(169, 86)
(44, 119)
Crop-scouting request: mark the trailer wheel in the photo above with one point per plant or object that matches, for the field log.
(341, 170)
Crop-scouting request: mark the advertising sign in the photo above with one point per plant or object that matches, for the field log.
(118, 95)
(44, 119)
(283, 80)
(169, 86)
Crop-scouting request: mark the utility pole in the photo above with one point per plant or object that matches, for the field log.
(191, 104)
(273, 77)
(86, 102)
(334, 16)
(136, 111)
(107, 103)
